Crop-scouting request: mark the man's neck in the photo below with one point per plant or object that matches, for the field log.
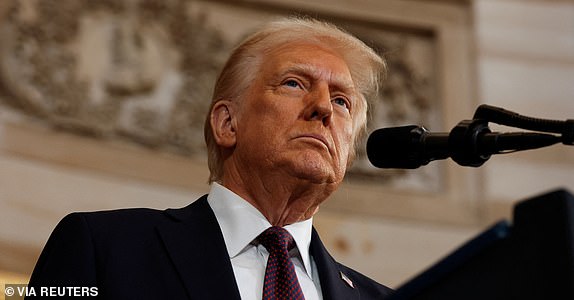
(282, 200)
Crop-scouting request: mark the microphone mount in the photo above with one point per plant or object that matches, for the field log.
(469, 143)
(469, 147)
(504, 117)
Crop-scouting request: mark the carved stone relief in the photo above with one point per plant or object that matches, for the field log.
(138, 70)
(143, 71)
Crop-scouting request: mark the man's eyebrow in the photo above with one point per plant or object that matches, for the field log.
(299, 69)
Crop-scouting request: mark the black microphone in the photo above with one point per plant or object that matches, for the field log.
(470, 143)
(406, 147)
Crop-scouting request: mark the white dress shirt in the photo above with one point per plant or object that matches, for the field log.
(241, 223)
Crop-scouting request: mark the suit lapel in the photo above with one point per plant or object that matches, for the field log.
(195, 244)
(335, 284)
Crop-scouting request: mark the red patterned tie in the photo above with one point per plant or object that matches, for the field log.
(280, 278)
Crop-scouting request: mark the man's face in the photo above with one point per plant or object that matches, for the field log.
(297, 115)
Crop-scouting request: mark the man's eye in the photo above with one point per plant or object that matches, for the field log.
(342, 102)
(292, 83)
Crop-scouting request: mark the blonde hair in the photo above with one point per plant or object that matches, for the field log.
(365, 65)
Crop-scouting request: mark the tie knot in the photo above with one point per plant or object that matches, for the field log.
(276, 238)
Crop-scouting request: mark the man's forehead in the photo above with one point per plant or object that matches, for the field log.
(311, 59)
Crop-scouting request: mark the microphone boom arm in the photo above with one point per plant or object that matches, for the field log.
(464, 137)
(471, 143)
(508, 118)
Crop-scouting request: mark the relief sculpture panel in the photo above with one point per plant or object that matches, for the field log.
(143, 71)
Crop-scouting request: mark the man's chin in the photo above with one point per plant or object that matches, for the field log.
(316, 175)
(313, 167)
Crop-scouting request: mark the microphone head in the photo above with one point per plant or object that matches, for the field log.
(396, 147)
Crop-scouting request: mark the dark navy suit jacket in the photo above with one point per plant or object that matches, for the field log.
(171, 254)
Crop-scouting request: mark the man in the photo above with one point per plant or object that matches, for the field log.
(287, 110)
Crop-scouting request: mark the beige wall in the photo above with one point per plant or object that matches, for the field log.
(524, 53)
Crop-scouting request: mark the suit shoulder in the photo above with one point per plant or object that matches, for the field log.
(117, 215)
(127, 214)
(127, 221)
(132, 220)
(370, 289)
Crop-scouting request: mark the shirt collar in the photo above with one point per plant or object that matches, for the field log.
(241, 223)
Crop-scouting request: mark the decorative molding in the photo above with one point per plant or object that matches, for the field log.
(114, 157)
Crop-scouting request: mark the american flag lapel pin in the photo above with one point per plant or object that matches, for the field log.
(346, 279)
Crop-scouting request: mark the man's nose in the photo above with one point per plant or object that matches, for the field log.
(319, 106)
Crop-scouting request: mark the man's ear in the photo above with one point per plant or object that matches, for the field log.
(223, 123)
